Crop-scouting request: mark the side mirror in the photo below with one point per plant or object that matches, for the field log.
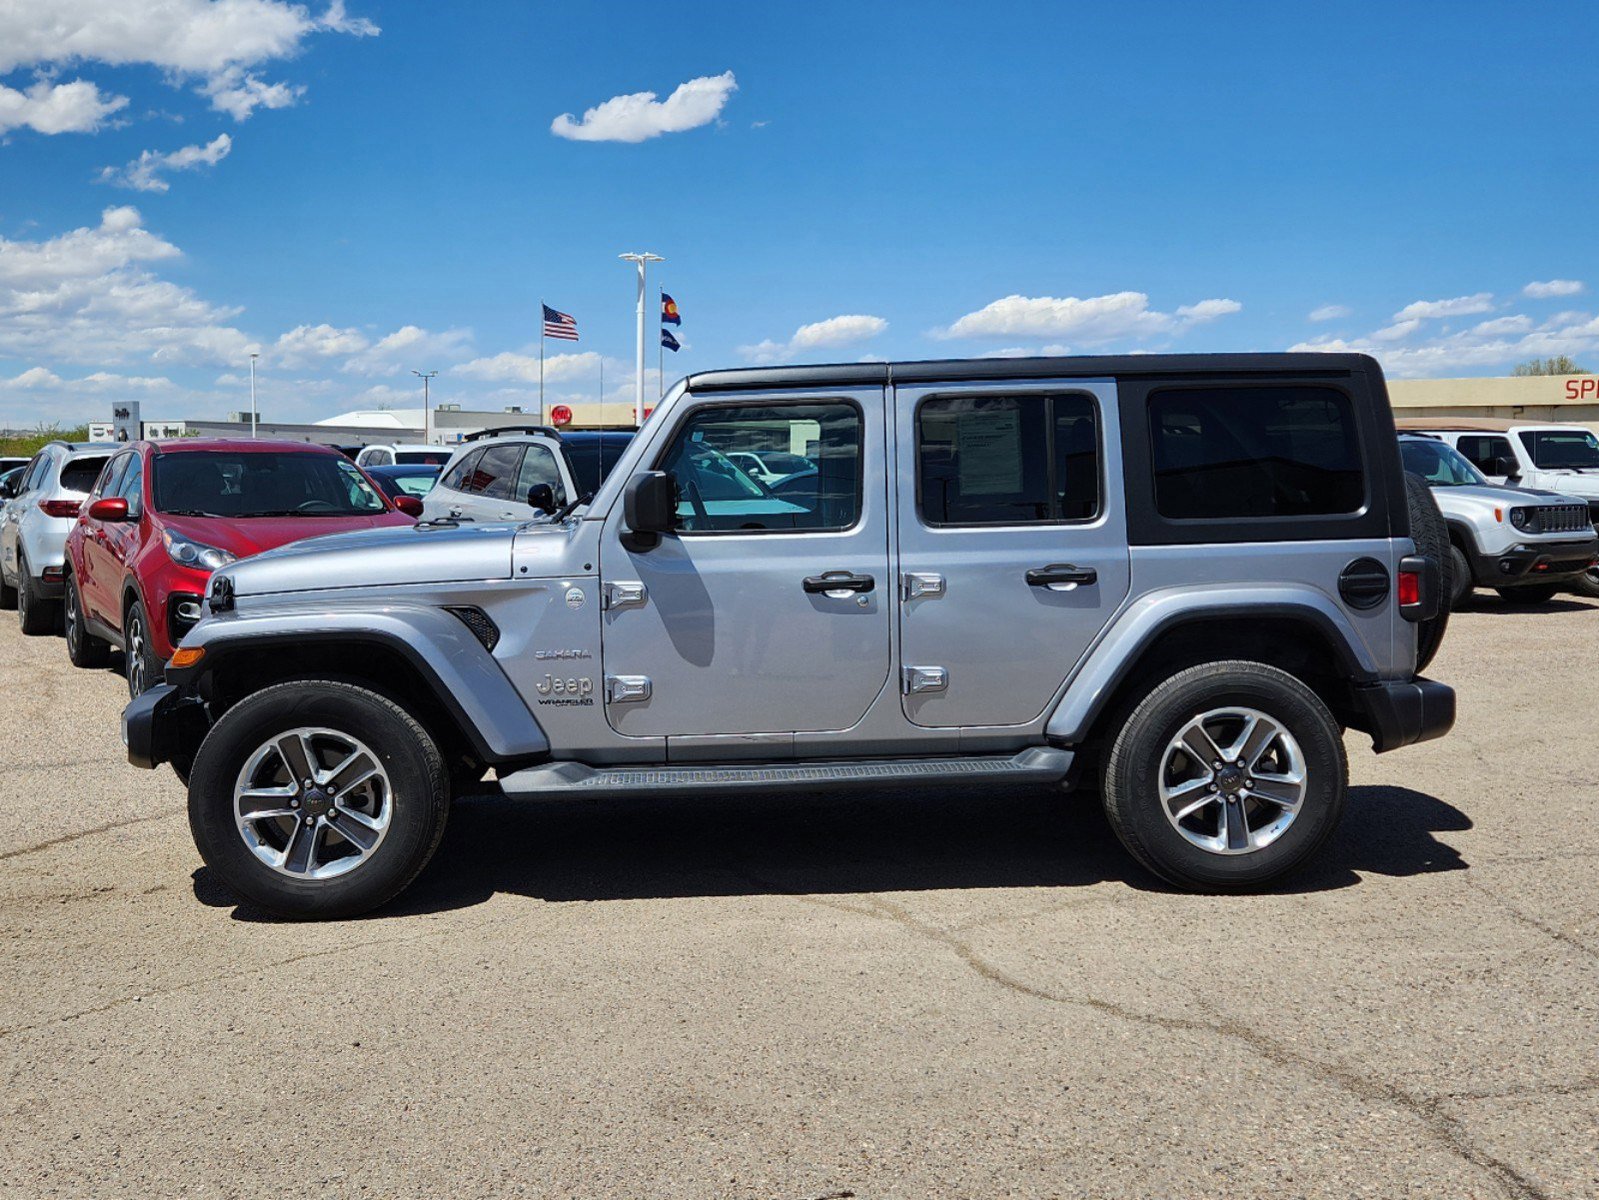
(1505, 465)
(541, 495)
(649, 508)
(109, 508)
(409, 505)
(8, 490)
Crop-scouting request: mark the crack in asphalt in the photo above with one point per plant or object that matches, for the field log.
(90, 832)
(1447, 1131)
(1526, 918)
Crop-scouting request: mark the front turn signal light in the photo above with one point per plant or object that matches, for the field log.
(187, 656)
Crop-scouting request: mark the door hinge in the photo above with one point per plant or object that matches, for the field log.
(916, 680)
(623, 594)
(914, 584)
(626, 689)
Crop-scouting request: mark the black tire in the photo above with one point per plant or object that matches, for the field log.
(1460, 584)
(8, 594)
(420, 797)
(35, 614)
(1532, 593)
(1431, 535)
(83, 648)
(1586, 584)
(1131, 776)
(143, 668)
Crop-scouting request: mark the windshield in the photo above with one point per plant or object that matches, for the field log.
(1439, 464)
(1552, 449)
(219, 483)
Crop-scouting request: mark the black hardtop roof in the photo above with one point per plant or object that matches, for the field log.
(1080, 366)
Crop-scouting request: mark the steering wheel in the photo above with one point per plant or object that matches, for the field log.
(314, 506)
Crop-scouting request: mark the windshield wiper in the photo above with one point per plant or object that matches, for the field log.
(190, 512)
(571, 506)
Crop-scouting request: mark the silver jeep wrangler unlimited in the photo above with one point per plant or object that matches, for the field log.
(1176, 578)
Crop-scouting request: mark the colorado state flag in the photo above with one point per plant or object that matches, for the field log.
(669, 311)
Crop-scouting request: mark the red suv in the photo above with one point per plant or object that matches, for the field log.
(164, 515)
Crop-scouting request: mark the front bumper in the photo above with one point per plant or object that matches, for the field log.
(162, 725)
(1402, 714)
(1535, 562)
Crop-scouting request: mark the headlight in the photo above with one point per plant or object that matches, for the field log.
(187, 552)
(1525, 519)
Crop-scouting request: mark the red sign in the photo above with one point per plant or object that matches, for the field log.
(1588, 385)
(560, 415)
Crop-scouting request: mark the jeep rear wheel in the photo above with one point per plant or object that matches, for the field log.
(317, 799)
(1226, 776)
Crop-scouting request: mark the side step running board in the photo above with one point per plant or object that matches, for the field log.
(1037, 764)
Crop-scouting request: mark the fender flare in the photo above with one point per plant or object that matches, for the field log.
(1096, 681)
(463, 676)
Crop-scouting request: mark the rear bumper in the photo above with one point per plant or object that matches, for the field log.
(1535, 562)
(163, 724)
(1402, 714)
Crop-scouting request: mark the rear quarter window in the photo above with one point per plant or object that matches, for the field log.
(79, 474)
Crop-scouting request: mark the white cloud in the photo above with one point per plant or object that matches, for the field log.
(307, 344)
(510, 367)
(76, 107)
(1494, 345)
(409, 347)
(143, 174)
(1091, 321)
(640, 116)
(818, 335)
(1552, 287)
(35, 377)
(1331, 312)
(1500, 326)
(1460, 306)
(1398, 331)
(213, 41)
(88, 296)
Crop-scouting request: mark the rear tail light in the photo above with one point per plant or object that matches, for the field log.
(53, 574)
(1409, 588)
(60, 508)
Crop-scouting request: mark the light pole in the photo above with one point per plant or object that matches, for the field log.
(427, 407)
(253, 357)
(638, 382)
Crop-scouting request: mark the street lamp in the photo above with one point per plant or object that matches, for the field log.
(427, 407)
(253, 357)
(638, 382)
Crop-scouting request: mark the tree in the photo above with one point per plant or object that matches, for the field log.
(1558, 365)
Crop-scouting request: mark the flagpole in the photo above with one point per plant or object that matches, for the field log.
(541, 361)
(638, 359)
(660, 357)
(602, 391)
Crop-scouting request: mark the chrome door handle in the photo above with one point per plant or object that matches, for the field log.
(1061, 577)
(838, 583)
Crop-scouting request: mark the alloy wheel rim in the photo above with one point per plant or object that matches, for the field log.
(313, 803)
(1232, 780)
(136, 653)
(72, 616)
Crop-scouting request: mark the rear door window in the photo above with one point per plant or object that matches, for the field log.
(1229, 453)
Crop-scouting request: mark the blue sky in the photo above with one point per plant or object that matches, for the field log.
(372, 187)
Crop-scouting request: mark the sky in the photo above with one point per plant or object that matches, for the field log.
(360, 190)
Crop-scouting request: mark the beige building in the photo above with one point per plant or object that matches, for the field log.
(1573, 398)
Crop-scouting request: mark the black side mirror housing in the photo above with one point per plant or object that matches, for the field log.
(541, 495)
(649, 508)
(1506, 466)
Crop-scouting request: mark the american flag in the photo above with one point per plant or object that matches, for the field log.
(559, 324)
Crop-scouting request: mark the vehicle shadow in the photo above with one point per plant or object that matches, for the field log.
(1494, 606)
(857, 842)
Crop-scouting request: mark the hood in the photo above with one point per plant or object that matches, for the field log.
(1501, 494)
(397, 555)
(244, 537)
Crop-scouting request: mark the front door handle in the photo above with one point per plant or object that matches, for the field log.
(1061, 577)
(838, 583)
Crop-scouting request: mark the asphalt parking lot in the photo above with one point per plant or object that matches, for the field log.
(878, 996)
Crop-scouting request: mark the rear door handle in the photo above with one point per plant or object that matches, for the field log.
(838, 583)
(1061, 577)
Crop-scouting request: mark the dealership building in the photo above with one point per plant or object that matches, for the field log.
(1573, 398)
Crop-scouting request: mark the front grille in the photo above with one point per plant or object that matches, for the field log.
(1564, 518)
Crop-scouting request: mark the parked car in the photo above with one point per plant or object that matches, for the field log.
(10, 462)
(515, 473)
(407, 479)
(163, 516)
(1189, 573)
(1538, 455)
(34, 525)
(395, 453)
(591, 453)
(1524, 544)
(769, 466)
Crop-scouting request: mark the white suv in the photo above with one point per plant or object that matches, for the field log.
(517, 473)
(408, 454)
(38, 515)
(1531, 455)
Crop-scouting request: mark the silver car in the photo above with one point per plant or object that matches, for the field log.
(34, 525)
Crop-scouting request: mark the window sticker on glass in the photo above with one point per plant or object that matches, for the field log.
(990, 451)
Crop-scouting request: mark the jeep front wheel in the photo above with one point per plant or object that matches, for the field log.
(317, 799)
(1226, 776)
